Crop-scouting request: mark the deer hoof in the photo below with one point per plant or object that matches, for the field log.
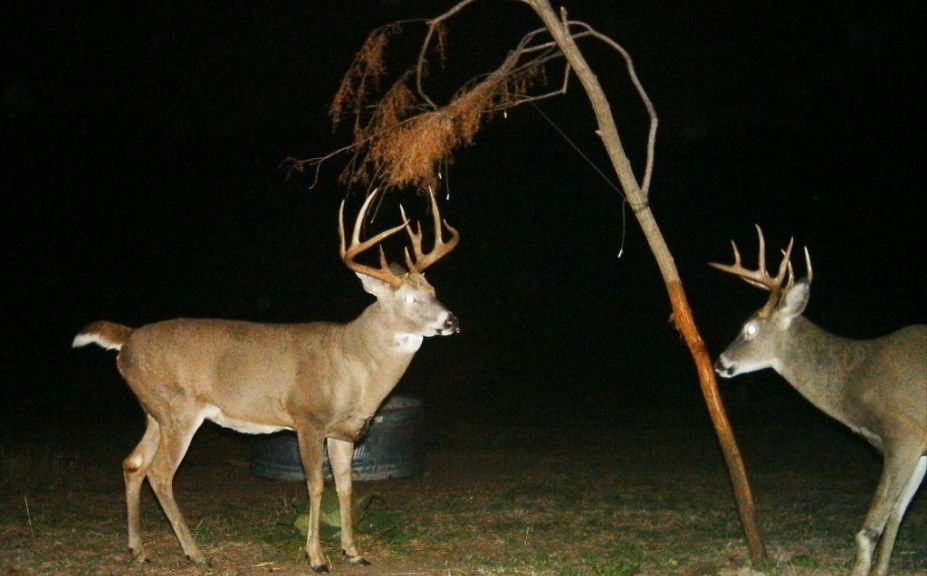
(320, 569)
(200, 561)
(138, 555)
(358, 561)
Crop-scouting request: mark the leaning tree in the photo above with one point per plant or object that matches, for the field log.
(403, 136)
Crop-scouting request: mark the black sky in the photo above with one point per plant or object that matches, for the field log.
(141, 182)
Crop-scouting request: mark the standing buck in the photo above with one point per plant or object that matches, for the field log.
(323, 380)
(876, 387)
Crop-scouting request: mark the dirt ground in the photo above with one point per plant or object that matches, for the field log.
(523, 501)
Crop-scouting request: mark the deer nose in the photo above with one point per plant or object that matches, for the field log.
(451, 324)
(723, 367)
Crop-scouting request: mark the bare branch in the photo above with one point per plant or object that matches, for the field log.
(648, 104)
(434, 26)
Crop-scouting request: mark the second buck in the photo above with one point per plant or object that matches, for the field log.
(878, 388)
(323, 380)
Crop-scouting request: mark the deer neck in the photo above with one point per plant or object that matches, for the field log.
(818, 365)
(382, 351)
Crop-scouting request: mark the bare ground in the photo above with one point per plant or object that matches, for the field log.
(525, 501)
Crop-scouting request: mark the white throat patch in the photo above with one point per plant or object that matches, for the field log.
(408, 342)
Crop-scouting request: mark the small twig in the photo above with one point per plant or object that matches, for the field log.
(433, 25)
(29, 516)
(645, 99)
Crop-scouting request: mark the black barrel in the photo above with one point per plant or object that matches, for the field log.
(393, 448)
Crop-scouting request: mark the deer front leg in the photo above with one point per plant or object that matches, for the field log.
(897, 471)
(340, 454)
(310, 450)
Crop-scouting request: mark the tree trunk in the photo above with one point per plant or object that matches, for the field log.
(682, 313)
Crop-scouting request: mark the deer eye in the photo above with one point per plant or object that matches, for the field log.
(750, 330)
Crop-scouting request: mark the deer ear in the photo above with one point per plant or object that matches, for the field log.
(794, 301)
(372, 285)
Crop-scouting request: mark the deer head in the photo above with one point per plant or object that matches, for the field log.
(757, 345)
(403, 293)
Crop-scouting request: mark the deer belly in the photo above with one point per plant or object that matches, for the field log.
(244, 426)
(351, 428)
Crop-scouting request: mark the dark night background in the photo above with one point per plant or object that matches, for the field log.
(141, 182)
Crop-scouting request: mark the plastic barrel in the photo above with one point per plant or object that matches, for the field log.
(392, 448)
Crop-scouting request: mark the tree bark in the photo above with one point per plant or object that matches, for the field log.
(682, 313)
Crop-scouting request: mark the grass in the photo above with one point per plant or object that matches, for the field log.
(578, 503)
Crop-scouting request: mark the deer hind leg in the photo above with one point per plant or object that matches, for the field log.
(884, 554)
(897, 472)
(134, 469)
(176, 433)
(340, 455)
(310, 451)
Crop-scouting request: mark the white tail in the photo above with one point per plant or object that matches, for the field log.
(876, 387)
(323, 380)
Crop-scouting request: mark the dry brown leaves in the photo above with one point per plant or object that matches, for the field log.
(407, 139)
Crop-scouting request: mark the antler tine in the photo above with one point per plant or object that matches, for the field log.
(359, 221)
(440, 248)
(791, 278)
(786, 272)
(791, 273)
(808, 264)
(349, 253)
(737, 266)
(736, 253)
(759, 278)
(415, 237)
(761, 269)
(786, 264)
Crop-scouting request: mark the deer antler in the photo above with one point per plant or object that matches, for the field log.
(760, 278)
(348, 254)
(439, 250)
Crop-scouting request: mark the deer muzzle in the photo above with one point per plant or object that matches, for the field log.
(451, 325)
(724, 367)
